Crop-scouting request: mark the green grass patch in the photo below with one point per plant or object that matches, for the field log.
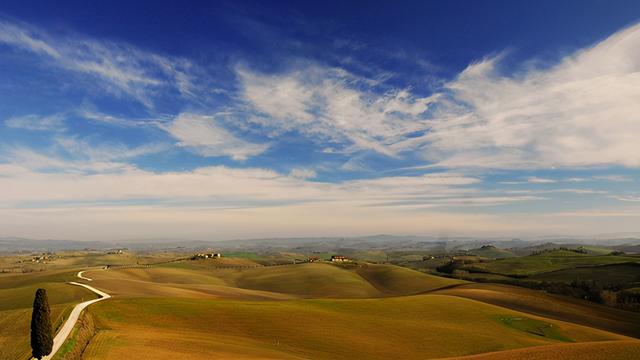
(533, 327)
(68, 345)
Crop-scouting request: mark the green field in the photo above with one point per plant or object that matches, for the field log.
(492, 252)
(546, 262)
(612, 275)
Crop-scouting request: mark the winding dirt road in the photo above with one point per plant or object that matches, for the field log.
(66, 329)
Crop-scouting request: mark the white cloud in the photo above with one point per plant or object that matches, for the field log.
(91, 153)
(627, 198)
(110, 119)
(614, 178)
(122, 200)
(75, 156)
(539, 180)
(29, 178)
(333, 106)
(205, 136)
(120, 68)
(37, 122)
(19, 36)
(299, 173)
(576, 179)
(581, 112)
(355, 163)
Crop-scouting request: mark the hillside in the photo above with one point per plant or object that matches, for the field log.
(394, 280)
(319, 329)
(548, 261)
(625, 274)
(552, 306)
(605, 350)
(491, 252)
(309, 280)
(16, 301)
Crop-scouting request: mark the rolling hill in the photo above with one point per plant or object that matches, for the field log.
(421, 326)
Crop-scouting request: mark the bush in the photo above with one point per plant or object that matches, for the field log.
(629, 300)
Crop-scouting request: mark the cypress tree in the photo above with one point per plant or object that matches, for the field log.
(41, 332)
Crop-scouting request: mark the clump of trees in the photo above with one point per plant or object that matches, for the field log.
(591, 291)
(579, 250)
(41, 330)
(450, 267)
(628, 300)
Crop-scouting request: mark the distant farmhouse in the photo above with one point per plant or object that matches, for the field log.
(116, 252)
(206, 256)
(339, 258)
(42, 258)
(313, 259)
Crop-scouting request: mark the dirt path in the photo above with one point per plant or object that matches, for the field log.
(66, 329)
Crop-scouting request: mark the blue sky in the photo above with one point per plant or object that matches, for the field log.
(250, 119)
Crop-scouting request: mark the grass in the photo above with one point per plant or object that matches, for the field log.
(395, 280)
(401, 327)
(206, 309)
(242, 254)
(309, 280)
(552, 306)
(492, 253)
(546, 262)
(614, 275)
(68, 345)
(15, 327)
(58, 293)
(596, 250)
(9, 281)
(16, 301)
(533, 326)
(609, 350)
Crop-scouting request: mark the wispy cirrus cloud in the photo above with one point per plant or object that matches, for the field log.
(205, 136)
(37, 122)
(71, 155)
(302, 173)
(627, 198)
(23, 177)
(540, 180)
(334, 106)
(614, 178)
(119, 68)
(581, 112)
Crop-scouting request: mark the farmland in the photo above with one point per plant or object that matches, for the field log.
(251, 307)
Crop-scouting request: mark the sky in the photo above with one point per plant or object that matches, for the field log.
(244, 119)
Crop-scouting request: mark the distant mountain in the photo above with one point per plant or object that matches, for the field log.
(13, 244)
(325, 244)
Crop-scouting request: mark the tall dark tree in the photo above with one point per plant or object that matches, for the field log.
(41, 332)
